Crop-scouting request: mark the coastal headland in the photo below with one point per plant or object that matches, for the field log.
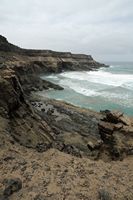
(51, 149)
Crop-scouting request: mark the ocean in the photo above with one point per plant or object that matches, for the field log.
(106, 89)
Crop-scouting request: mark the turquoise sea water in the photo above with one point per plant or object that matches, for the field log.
(107, 88)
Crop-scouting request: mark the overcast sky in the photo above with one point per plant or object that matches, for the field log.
(99, 27)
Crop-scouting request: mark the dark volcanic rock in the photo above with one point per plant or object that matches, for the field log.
(6, 46)
(11, 186)
(42, 147)
(25, 126)
(39, 197)
(113, 116)
(2, 197)
(104, 195)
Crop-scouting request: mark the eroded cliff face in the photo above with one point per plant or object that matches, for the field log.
(44, 143)
(23, 124)
(6, 46)
(29, 64)
(45, 60)
(47, 124)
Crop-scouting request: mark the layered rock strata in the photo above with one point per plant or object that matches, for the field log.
(43, 124)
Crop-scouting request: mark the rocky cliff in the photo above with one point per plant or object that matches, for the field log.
(46, 60)
(30, 125)
(34, 62)
(45, 124)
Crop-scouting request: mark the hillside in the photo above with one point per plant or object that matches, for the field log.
(54, 149)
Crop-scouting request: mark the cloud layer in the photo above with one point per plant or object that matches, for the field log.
(98, 27)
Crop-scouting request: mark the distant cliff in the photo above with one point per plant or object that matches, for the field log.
(46, 60)
(28, 63)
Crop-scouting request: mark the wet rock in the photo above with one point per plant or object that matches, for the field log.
(11, 186)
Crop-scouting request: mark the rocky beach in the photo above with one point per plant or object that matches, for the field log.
(51, 149)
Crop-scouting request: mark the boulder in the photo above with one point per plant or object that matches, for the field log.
(94, 145)
(106, 127)
(113, 116)
(104, 195)
(11, 186)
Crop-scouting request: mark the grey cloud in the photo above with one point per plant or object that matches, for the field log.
(99, 27)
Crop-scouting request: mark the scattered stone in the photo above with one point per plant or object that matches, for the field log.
(7, 158)
(58, 145)
(104, 195)
(71, 149)
(42, 147)
(93, 145)
(11, 186)
(23, 168)
(39, 197)
(43, 109)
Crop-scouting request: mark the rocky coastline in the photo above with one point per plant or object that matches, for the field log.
(34, 125)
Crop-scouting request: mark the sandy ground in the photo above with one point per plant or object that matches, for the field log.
(59, 176)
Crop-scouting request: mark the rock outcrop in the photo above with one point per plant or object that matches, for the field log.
(6, 46)
(29, 64)
(45, 143)
(25, 126)
(45, 124)
(116, 131)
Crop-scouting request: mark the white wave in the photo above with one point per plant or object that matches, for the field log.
(52, 77)
(78, 88)
(101, 77)
(84, 91)
(111, 66)
(109, 78)
(75, 75)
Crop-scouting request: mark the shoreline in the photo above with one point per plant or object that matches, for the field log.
(21, 75)
(54, 150)
(74, 86)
